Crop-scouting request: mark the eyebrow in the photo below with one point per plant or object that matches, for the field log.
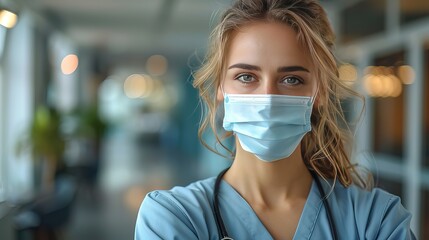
(280, 69)
(292, 69)
(245, 66)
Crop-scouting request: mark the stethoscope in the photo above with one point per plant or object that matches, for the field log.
(221, 226)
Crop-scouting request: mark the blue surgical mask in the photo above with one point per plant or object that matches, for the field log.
(269, 126)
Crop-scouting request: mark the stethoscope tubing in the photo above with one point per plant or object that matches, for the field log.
(219, 221)
(221, 225)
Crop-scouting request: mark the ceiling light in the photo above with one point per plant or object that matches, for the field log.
(8, 19)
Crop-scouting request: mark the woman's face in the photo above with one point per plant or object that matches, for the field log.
(267, 58)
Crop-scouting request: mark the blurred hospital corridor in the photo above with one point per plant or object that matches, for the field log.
(97, 107)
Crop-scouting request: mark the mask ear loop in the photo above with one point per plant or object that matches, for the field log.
(221, 89)
(313, 99)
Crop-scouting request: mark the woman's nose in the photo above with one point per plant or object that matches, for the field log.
(270, 87)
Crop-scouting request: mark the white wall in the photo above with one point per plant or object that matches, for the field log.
(17, 107)
(2, 37)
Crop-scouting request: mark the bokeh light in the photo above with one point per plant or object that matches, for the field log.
(69, 64)
(138, 86)
(8, 19)
(396, 85)
(381, 82)
(406, 74)
(156, 65)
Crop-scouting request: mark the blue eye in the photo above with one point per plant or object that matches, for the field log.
(245, 78)
(292, 81)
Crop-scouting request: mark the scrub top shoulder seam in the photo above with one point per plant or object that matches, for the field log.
(178, 206)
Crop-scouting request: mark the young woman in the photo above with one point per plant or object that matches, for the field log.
(271, 74)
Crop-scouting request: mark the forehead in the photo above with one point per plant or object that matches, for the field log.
(267, 42)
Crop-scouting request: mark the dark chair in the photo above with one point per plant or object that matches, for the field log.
(49, 213)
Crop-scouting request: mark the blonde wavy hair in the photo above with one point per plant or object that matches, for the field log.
(324, 148)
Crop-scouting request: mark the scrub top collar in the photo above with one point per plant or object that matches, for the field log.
(310, 213)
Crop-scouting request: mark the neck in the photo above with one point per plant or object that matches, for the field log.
(269, 183)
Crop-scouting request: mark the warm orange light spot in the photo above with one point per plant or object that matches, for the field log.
(138, 86)
(69, 64)
(406, 74)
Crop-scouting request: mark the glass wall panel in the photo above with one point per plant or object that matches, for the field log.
(388, 104)
(362, 19)
(426, 109)
(413, 10)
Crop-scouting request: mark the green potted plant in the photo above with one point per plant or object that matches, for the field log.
(46, 143)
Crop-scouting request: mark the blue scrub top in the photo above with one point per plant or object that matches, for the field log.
(186, 213)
